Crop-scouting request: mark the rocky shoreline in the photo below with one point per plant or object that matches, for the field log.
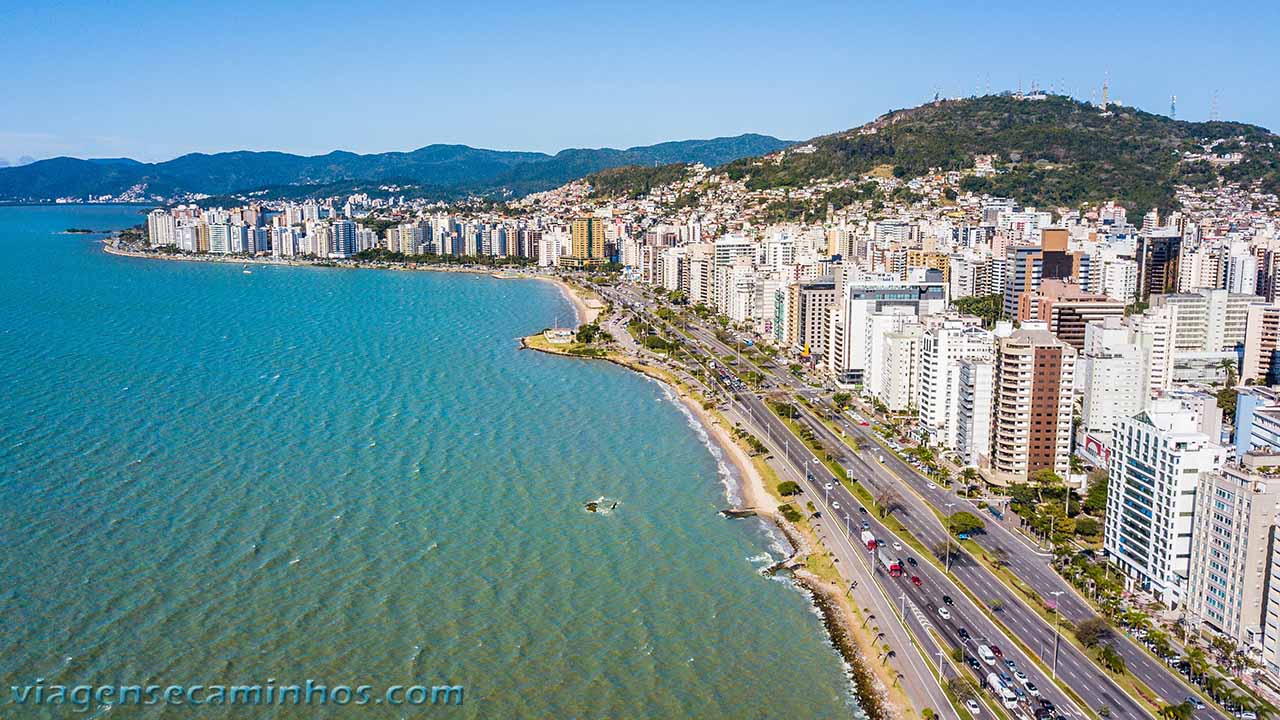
(756, 501)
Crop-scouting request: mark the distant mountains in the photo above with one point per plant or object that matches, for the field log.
(435, 170)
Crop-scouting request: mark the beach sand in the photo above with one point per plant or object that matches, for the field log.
(586, 314)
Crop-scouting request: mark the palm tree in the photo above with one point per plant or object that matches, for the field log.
(1197, 662)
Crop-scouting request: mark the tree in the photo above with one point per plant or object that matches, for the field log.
(1088, 527)
(964, 523)
(962, 687)
(841, 399)
(1095, 498)
(1093, 631)
(788, 488)
(889, 502)
(785, 410)
(1182, 711)
(1112, 660)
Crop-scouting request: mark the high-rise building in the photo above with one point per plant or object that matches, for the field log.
(1235, 511)
(1262, 339)
(343, 240)
(1156, 464)
(944, 344)
(587, 243)
(1158, 257)
(1031, 431)
(975, 383)
(1112, 375)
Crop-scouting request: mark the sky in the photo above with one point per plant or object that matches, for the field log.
(154, 80)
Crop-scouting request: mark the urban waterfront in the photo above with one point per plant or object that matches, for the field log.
(208, 475)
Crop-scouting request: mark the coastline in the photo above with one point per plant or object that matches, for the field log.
(492, 271)
(839, 618)
(751, 485)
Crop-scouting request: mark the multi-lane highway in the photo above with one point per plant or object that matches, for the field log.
(1025, 560)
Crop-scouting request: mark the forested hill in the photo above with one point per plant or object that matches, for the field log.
(1054, 151)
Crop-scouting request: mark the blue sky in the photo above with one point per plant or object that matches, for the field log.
(155, 80)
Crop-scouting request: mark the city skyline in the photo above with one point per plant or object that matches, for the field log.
(313, 79)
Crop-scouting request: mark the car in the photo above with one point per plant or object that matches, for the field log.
(866, 525)
(963, 633)
(1011, 664)
(835, 505)
(912, 562)
(1021, 677)
(946, 599)
(1032, 690)
(915, 580)
(995, 650)
(973, 707)
(932, 486)
(972, 662)
(828, 486)
(862, 510)
(962, 536)
(1195, 702)
(1046, 704)
(987, 656)
(863, 423)
(897, 545)
(815, 461)
(944, 613)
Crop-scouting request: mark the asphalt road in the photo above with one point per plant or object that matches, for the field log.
(1025, 560)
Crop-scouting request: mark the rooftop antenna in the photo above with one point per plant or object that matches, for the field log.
(1213, 107)
(1105, 90)
(1173, 107)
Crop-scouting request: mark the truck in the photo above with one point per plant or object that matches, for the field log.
(892, 564)
(869, 540)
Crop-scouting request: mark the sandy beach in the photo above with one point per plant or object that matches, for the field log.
(586, 313)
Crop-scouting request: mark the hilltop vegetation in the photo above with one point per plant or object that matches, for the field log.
(1052, 152)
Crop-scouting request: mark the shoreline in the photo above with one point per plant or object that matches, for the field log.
(838, 623)
(750, 483)
(496, 271)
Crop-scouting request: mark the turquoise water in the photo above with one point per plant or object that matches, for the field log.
(215, 477)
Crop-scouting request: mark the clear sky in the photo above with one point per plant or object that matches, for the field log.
(154, 80)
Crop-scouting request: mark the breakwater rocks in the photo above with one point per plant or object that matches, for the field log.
(871, 692)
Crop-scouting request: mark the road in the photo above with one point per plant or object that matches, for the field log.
(1024, 559)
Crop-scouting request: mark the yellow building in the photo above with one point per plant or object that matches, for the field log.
(587, 247)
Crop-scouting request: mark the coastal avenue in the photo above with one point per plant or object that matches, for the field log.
(1027, 562)
(1077, 670)
(926, 597)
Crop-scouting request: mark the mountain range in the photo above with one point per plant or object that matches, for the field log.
(435, 170)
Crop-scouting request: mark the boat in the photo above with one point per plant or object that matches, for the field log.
(245, 269)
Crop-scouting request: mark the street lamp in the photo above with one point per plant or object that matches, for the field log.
(948, 528)
(1057, 613)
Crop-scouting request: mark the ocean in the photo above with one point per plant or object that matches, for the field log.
(355, 477)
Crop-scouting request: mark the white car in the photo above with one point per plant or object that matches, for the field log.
(1032, 690)
(828, 486)
(973, 707)
(932, 486)
(897, 546)
(944, 613)
(1021, 677)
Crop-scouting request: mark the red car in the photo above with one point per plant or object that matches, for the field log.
(995, 650)
(915, 580)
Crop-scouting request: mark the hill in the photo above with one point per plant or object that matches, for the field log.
(434, 170)
(1053, 151)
